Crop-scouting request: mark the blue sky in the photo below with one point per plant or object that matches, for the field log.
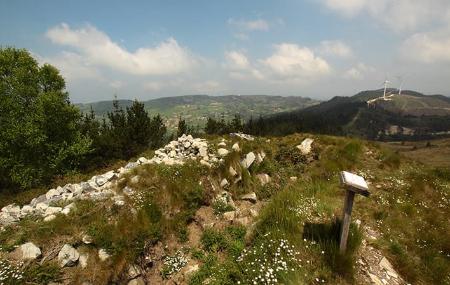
(314, 48)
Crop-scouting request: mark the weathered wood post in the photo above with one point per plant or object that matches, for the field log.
(353, 184)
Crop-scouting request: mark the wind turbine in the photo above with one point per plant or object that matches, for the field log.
(386, 82)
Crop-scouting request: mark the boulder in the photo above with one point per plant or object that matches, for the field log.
(52, 211)
(6, 219)
(131, 165)
(248, 160)
(142, 160)
(305, 146)
(29, 251)
(26, 210)
(222, 152)
(222, 144)
(68, 256)
(251, 197)
(236, 147)
(67, 209)
(49, 218)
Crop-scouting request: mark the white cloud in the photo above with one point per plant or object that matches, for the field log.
(427, 47)
(249, 25)
(98, 49)
(72, 66)
(335, 48)
(398, 15)
(358, 72)
(236, 60)
(293, 61)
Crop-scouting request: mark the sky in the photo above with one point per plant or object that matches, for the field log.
(312, 48)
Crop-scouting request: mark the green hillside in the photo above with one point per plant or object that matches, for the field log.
(195, 109)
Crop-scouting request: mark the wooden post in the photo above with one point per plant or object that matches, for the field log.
(346, 220)
(353, 184)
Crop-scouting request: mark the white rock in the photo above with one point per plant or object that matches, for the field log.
(83, 260)
(187, 144)
(222, 144)
(224, 183)
(222, 152)
(29, 251)
(248, 160)
(142, 160)
(51, 193)
(87, 239)
(236, 147)
(202, 162)
(49, 218)
(68, 256)
(6, 219)
(232, 171)
(52, 211)
(133, 271)
(26, 210)
(263, 178)
(251, 197)
(305, 146)
(103, 254)
(137, 281)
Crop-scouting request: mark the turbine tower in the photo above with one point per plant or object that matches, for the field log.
(385, 87)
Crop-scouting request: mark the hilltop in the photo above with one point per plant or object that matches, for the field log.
(208, 210)
(410, 115)
(195, 109)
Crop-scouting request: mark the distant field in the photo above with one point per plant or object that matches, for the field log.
(196, 109)
(433, 152)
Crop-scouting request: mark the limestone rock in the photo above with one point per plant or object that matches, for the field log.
(49, 218)
(133, 271)
(103, 254)
(51, 193)
(236, 147)
(263, 178)
(29, 251)
(52, 211)
(224, 183)
(137, 281)
(83, 260)
(222, 152)
(251, 197)
(68, 256)
(305, 146)
(248, 160)
(222, 144)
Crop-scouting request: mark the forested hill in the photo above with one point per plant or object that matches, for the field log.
(411, 115)
(195, 109)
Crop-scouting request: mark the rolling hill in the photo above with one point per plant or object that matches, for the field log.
(195, 109)
(411, 115)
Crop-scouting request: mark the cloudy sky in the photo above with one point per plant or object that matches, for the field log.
(314, 48)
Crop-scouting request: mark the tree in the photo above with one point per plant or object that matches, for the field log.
(182, 127)
(39, 134)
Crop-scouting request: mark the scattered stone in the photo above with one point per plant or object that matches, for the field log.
(251, 197)
(137, 281)
(103, 254)
(236, 147)
(133, 271)
(224, 183)
(248, 160)
(83, 260)
(305, 146)
(263, 178)
(243, 136)
(222, 152)
(87, 239)
(232, 171)
(49, 218)
(229, 216)
(29, 251)
(68, 256)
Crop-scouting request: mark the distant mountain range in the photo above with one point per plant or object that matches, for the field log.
(195, 109)
(409, 115)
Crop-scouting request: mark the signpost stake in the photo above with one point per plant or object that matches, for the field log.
(353, 184)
